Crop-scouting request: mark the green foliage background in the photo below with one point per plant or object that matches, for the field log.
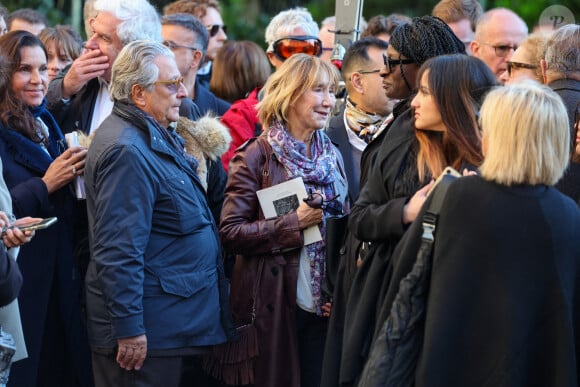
(247, 19)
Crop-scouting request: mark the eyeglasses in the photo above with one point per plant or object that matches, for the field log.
(511, 65)
(213, 29)
(502, 49)
(173, 84)
(172, 45)
(284, 48)
(389, 63)
(316, 200)
(369, 71)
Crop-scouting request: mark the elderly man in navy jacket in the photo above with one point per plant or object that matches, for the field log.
(156, 296)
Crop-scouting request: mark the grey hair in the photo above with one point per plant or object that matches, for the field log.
(563, 50)
(284, 23)
(139, 19)
(135, 66)
(191, 23)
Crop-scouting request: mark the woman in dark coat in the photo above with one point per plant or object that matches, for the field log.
(38, 169)
(502, 305)
(392, 180)
(290, 310)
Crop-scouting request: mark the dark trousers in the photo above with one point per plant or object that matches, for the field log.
(311, 331)
(170, 371)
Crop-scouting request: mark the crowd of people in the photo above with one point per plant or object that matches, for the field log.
(229, 215)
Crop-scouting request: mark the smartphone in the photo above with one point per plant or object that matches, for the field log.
(32, 226)
(448, 171)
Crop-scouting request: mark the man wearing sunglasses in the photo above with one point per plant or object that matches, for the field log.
(498, 34)
(155, 283)
(209, 13)
(187, 37)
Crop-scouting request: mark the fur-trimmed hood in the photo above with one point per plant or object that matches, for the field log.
(206, 138)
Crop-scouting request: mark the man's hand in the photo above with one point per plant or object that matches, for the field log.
(132, 352)
(91, 64)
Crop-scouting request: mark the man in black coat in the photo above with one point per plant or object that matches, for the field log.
(360, 124)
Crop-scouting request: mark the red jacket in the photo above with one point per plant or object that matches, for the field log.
(242, 121)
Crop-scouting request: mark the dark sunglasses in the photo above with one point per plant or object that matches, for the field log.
(502, 49)
(284, 48)
(517, 65)
(213, 29)
(389, 63)
(316, 200)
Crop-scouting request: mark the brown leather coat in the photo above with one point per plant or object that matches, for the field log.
(277, 242)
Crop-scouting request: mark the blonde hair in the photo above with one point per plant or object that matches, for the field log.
(288, 83)
(527, 135)
(535, 45)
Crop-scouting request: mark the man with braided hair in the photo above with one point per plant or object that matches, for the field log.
(389, 200)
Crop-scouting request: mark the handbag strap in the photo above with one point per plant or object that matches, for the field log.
(432, 214)
(263, 143)
(266, 167)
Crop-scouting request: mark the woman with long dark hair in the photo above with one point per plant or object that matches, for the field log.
(38, 168)
(450, 92)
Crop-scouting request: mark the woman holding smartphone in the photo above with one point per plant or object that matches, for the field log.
(38, 169)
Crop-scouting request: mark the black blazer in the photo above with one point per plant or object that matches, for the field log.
(77, 113)
(336, 131)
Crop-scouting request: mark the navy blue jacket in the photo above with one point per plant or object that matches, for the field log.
(155, 254)
(207, 102)
(45, 261)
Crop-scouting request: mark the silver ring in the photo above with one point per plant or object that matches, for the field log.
(74, 170)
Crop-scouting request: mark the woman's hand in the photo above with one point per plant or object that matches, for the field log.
(412, 208)
(326, 309)
(65, 168)
(13, 236)
(467, 172)
(308, 216)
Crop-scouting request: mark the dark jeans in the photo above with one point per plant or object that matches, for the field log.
(311, 332)
(170, 371)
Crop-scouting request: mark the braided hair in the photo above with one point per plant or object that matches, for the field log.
(424, 38)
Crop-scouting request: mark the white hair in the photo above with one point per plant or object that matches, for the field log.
(284, 24)
(139, 19)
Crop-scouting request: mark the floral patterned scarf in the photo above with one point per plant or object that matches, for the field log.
(321, 172)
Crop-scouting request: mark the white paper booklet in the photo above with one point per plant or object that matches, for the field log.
(283, 198)
(72, 139)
